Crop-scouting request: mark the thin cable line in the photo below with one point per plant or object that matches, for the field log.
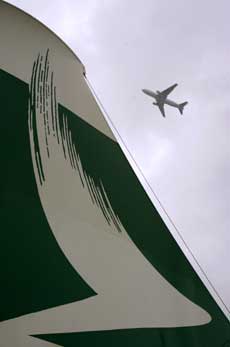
(155, 195)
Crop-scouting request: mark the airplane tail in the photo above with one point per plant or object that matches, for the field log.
(181, 106)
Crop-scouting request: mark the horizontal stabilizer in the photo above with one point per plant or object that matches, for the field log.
(181, 106)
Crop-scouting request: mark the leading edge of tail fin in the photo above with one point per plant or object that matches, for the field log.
(181, 106)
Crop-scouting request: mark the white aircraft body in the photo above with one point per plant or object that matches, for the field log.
(161, 99)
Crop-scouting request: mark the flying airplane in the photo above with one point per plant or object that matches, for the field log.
(161, 99)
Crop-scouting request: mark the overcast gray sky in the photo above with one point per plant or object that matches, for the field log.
(130, 45)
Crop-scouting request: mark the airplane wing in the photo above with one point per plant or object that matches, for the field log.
(161, 107)
(167, 91)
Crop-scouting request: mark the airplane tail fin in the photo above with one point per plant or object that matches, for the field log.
(181, 106)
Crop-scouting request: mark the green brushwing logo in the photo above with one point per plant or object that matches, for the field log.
(86, 251)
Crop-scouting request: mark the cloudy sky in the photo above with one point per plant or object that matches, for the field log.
(130, 45)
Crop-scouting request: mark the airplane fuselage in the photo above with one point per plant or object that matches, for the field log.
(157, 97)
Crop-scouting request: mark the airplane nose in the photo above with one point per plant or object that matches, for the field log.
(146, 91)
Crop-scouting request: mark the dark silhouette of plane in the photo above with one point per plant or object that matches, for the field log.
(161, 99)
